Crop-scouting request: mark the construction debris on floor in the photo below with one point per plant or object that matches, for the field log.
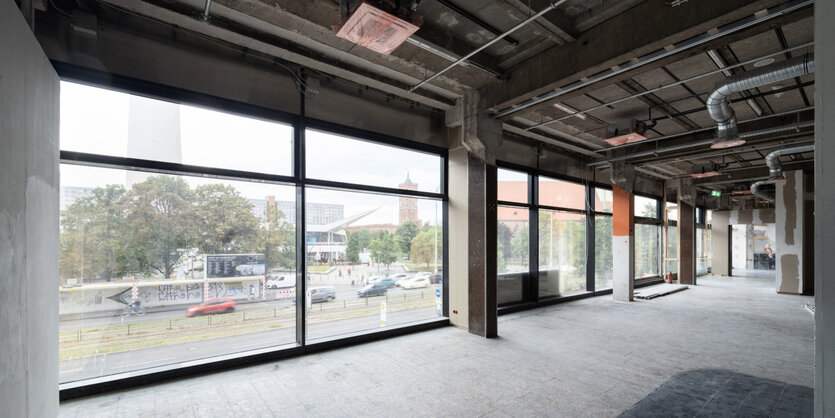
(655, 291)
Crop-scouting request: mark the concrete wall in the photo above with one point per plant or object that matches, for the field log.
(789, 242)
(824, 202)
(28, 222)
(458, 239)
(721, 263)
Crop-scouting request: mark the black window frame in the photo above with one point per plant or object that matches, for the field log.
(101, 79)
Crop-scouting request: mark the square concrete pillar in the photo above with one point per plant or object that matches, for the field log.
(472, 241)
(623, 244)
(824, 202)
(788, 245)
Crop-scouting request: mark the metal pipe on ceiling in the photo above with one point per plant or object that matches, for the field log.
(720, 109)
(206, 10)
(722, 154)
(661, 53)
(666, 86)
(550, 7)
(759, 132)
(755, 190)
(472, 18)
(775, 167)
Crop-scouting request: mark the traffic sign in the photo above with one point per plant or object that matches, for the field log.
(437, 293)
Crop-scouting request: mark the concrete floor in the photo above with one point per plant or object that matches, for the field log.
(593, 357)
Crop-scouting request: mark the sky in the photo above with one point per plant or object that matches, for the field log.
(96, 120)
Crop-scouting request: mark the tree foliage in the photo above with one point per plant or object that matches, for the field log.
(404, 235)
(423, 246)
(276, 239)
(384, 249)
(352, 250)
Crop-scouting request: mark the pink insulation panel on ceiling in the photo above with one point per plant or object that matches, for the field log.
(375, 29)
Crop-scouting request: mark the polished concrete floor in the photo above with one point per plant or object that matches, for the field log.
(593, 357)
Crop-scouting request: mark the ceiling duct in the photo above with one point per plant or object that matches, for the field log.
(379, 25)
(720, 109)
(775, 169)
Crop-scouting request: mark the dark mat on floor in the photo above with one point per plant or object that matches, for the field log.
(723, 393)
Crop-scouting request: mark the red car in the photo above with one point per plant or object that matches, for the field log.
(212, 306)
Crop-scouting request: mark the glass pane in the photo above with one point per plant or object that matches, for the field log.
(159, 269)
(672, 213)
(603, 252)
(671, 265)
(512, 186)
(603, 200)
(377, 265)
(107, 122)
(562, 253)
(563, 194)
(647, 246)
(646, 207)
(701, 252)
(350, 160)
(513, 245)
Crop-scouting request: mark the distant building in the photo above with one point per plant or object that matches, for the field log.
(315, 213)
(408, 205)
(70, 194)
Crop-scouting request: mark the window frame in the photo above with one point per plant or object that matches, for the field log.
(114, 82)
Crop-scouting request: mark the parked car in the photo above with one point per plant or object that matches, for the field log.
(212, 306)
(281, 282)
(374, 289)
(416, 283)
(322, 294)
(436, 278)
(388, 282)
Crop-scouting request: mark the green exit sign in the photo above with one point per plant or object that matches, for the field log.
(715, 193)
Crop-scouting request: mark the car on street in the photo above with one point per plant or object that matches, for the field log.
(322, 294)
(416, 283)
(374, 289)
(212, 306)
(281, 282)
(388, 282)
(436, 278)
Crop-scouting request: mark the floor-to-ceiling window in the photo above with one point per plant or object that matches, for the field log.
(562, 237)
(513, 235)
(603, 206)
(647, 237)
(189, 233)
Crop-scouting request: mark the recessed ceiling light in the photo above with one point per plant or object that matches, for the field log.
(763, 62)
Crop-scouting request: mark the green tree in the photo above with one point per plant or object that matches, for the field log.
(384, 249)
(404, 235)
(520, 245)
(364, 238)
(504, 235)
(159, 220)
(423, 247)
(276, 239)
(91, 236)
(224, 220)
(352, 250)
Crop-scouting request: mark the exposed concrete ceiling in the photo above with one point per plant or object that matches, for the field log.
(577, 40)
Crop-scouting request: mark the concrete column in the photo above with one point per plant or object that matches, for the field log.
(472, 223)
(623, 244)
(686, 232)
(721, 240)
(788, 245)
(28, 222)
(824, 202)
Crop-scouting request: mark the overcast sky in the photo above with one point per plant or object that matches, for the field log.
(97, 121)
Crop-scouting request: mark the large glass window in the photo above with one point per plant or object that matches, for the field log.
(157, 269)
(371, 267)
(603, 200)
(647, 245)
(106, 122)
(603, 252)
(350, 160)
(646, 207)
(164, 262)
(562, 253)
(513, 264)
(512, 186)
(563, 194)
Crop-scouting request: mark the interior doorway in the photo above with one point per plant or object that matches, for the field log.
(752, 250)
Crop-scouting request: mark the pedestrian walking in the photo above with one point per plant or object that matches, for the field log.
(251, 292)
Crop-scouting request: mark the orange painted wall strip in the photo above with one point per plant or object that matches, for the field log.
(623, 212)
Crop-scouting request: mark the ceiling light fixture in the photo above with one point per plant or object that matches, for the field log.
(763, 62)
(570, 110)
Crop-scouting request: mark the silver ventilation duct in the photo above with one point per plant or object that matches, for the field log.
(775, 169)
(719, 107)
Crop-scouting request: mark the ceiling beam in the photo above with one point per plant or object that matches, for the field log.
(604, 46)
